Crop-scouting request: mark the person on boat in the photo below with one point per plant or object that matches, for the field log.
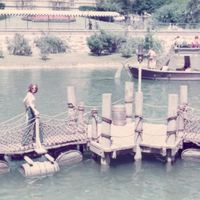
(151, 59)
(29, 102)
(195, 42)
(178, 41)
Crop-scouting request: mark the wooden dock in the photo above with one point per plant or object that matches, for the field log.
(117, 130)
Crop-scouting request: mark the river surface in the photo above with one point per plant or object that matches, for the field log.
(125, 179)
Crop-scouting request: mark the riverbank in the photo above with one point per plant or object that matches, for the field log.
(67, 60)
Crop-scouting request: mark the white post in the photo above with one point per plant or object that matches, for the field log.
(94, 113)
(81, 110)
(171, 120)
(129, 93)
(71, 99)
(38, 146)
(106, 120)
(138, 123)
(140, 78)
(182, 111)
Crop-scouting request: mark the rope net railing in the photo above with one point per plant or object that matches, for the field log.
(57, 132)
(192, 126)
(17, 135)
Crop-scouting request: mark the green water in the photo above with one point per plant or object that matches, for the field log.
(125, 179)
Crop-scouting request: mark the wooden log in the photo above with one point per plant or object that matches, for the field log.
(129, 96)
(182, 110)
(172, 119)
(138, 123)
(81, 110)
(106, 120)
(94, 114)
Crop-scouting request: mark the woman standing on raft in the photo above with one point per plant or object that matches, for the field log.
(29, 102)
(31, 113)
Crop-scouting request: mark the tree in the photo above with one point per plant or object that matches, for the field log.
(172, 13)
(193, 12)
(123, 7)
(141, 6)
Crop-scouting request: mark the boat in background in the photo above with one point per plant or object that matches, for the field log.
(176, 66)
(187, 50)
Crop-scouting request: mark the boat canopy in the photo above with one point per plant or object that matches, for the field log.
(73, 13)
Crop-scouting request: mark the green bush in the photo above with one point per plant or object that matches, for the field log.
(51, 44)
(129, 47)
(104, 43)
(151, 43)
(19, 46)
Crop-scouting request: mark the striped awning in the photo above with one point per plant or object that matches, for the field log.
(73, 13)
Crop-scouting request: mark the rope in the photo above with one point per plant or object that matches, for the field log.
(155, 106)
(12, 119)
(154, 119)
(113, 136)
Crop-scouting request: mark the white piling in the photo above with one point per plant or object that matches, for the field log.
(172, 119)
(71, 100)
(183, 94)
(182, 110)
(106, 120)
(71, 95)
(129, 96)
(140, 78)
(94, 114)
(81, 110)
(138, 123)
(38, 146)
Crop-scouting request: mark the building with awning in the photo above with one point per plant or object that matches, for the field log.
(47, 4)
(73, 13)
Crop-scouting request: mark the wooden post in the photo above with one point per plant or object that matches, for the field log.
(94, 114)
(71, 99)
(38, 146)
(138, 123)
(182, 110)
(171, 120)
(81, 110)
(106, 120)
(129, 92)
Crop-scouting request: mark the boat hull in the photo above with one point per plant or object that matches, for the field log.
(186, 50)
(153, 74)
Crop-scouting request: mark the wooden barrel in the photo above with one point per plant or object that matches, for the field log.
(119, 115)
(69, 157)
(191, 154)
(4, 167)
(39, 168)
